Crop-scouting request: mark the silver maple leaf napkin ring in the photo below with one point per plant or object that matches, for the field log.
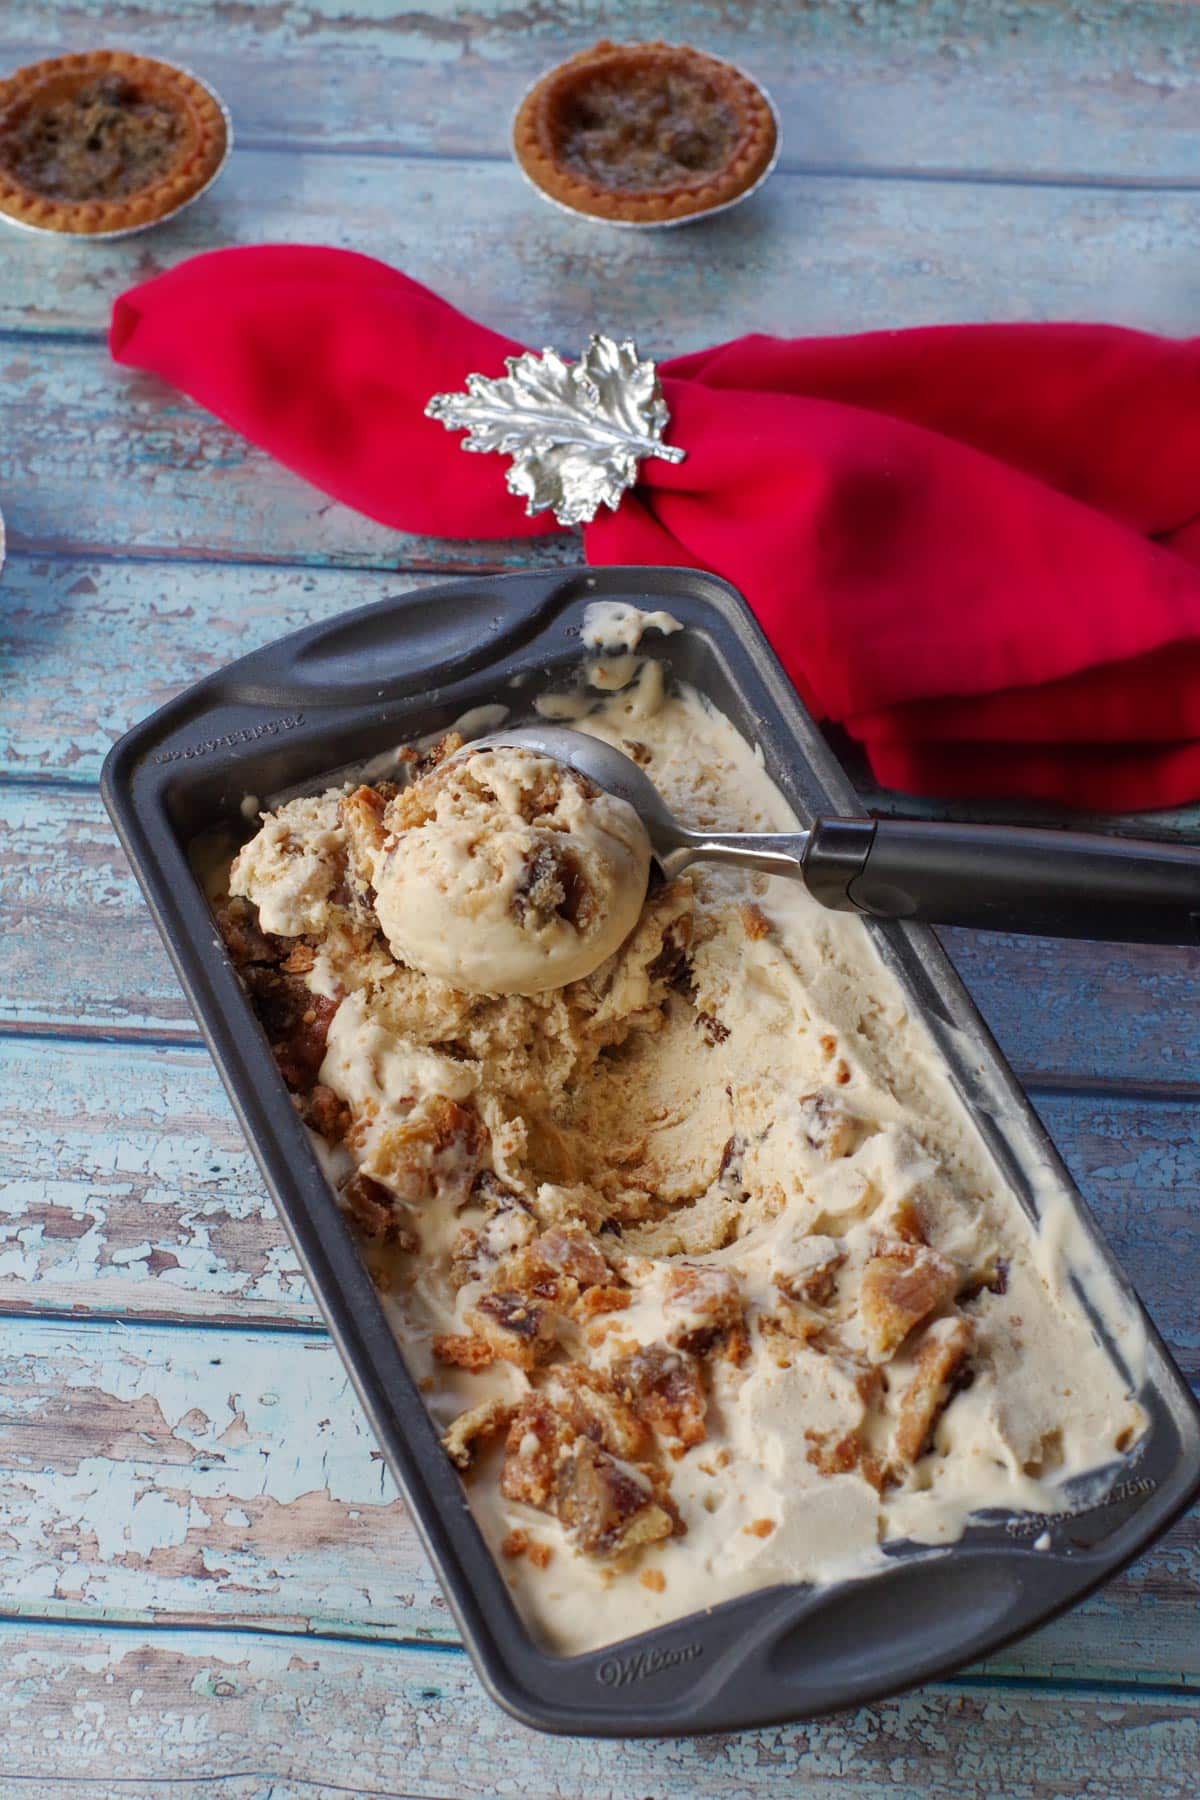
(577, 432)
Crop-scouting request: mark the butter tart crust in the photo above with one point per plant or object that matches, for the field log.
(644, 133)
(105, 141)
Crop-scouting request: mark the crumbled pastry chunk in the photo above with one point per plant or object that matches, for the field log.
(519, 1329)
(494, 1194)
(844, 1455)
(608, 1506)
(508, 1225)
(462, 1350)
(362, 815)
(419, 762)
(327, 1113)
(760, 1528)
(472, 1428)
(295, 1019)
(806, 1267)
(519, 1543)
(670, 965)
(554, 886)
(794, 1320)
(902, 1220)
(666, 1388)
(595, 1406)
(654, 1579)
(941, 1371)
(558, 1267)
(705, 1304)
(538, 1439)
(901, 1285)
(755, 922)
(437, 1148)
(595, 1300)
(376, 1212)
(828, 1126)
(571, 1250)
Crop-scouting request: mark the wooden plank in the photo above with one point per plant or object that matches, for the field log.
(178, 1476)
(245, 1718)
(65, 884)
(125, 637)
(129, 1191)
(1096, 87)
(48, 938)
(1066, 1011)
(807, 254)
(170, 478)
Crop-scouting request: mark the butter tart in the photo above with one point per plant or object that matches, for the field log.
(105, 142)
(646, 134)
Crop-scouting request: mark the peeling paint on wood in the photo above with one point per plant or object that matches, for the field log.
(121, 462)
(125, 637)
(172, 1475)
(128, 1189)
(177, 1477)
(245, 1718)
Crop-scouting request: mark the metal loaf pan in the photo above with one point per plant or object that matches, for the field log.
(348, 688)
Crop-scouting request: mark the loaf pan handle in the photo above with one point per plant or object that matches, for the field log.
(407, 644)
(1008, 878)
(848, 1645)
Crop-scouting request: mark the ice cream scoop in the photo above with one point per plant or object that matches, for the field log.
(506, 871)
(993, 877)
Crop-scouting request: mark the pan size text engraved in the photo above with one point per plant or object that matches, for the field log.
(248, 734)
(1032, 1524)
(619, 1671)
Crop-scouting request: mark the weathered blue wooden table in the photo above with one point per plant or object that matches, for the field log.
(207, 1584)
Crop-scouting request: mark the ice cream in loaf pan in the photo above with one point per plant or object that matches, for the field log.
(699, 1260)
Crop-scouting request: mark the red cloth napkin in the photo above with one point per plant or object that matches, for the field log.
(976, 547)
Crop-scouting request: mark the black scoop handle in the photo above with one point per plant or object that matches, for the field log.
(1008, 878)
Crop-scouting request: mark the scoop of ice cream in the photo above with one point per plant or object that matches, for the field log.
(506, 873)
